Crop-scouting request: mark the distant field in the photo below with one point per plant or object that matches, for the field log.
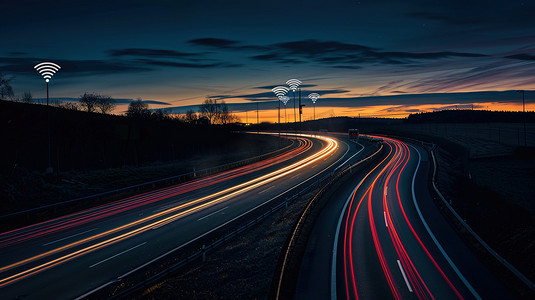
(484, 139)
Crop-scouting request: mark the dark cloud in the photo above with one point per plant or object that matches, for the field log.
(213, 42)
(523, 56)
(26, 64)
(183, 64)
(149, 52)
(328, 53)
(127, 101)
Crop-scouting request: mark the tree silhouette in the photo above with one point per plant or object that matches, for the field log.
(216, 113)
(138, 109)
(88, 102)
(191, 117)
(91, 102)
(210, 110)
(105, 104)
(225, 116)
(27, 97)
(5, 88)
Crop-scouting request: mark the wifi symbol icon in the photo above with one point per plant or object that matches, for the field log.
(293, 83)
(314, 97)
(47, 69)
(280, 90)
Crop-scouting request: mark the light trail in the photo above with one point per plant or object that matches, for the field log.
(392, 168)
(167, 216)
(106, 210)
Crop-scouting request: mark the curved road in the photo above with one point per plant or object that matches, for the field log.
(382, 237)
(67, 257)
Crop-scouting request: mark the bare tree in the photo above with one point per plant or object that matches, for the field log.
(88, 102)
(138, 109)
(27, 97)
(210, 110)
(191, 117)
(225, 116)
(6, 91)
(70, 105)
(91, 102)
(105, 104)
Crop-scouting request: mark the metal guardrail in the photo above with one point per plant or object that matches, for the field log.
(307, 211)
(201, 254)
(151, 184)
(499, 258)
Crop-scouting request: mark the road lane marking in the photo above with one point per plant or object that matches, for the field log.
(213, 213)
(437, 243)
(269, 188)
(111, 257)
(404, 276)
(337, 233)
(162, 208)
(350, 156)
(386, 222)
(71, 236)
(216, 228)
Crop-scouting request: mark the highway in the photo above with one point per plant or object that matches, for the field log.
(68, 257)
(382, 237)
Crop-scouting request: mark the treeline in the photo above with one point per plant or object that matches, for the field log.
(82, 140)
(471, 116)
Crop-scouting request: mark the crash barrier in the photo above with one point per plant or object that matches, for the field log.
(284, 290)
(151, 185)
(129, 283)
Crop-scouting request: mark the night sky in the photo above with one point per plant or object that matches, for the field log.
(176, 53)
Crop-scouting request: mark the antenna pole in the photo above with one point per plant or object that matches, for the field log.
(295, 117)
(300, 107)
(49, 169)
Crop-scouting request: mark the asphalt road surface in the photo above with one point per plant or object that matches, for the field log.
(382, 237)
(70, 256)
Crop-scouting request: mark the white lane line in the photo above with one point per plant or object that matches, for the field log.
(71, 236)
(269, 188)
(212, 230)
(166, 207)
(117, 254)
(386, 222)
(446, 256)
(213, 213)
(404, 276)
(335, 245)
(350, 157)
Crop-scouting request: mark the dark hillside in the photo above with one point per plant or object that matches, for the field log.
(82, 141)
(471, 116)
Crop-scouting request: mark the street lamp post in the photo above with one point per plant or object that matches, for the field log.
(284, 100)
(314, 97)
(294, 84)
(47, 70)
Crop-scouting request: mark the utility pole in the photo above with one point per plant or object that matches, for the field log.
(300, 106)
(257, 114)
(49, 169)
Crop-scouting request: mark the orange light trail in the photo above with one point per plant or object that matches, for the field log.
(198, 204)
